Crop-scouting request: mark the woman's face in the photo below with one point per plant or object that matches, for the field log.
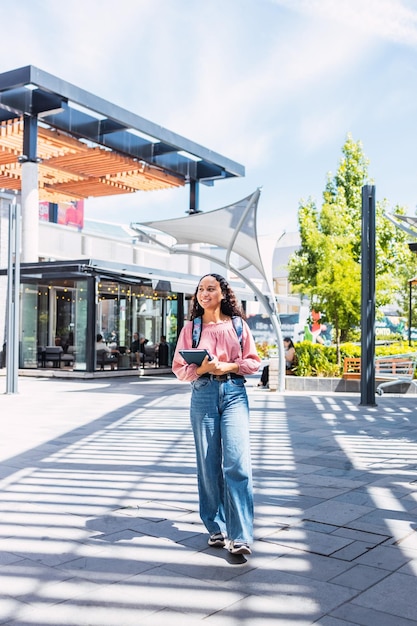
(209, 293)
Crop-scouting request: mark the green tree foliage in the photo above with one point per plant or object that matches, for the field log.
(327, 267)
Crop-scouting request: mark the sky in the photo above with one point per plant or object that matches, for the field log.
(275, 85)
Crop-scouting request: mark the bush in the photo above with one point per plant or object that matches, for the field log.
(263, 349)
(314, 359)
(399, 347)
(350, 350)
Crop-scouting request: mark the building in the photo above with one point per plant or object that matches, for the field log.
(59, 145)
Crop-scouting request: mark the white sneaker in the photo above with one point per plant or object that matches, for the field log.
(239, 547)
(217, 540)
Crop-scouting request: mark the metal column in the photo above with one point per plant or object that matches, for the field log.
(368, 297)
(13, 301)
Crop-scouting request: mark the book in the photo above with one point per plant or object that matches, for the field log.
(195, 355)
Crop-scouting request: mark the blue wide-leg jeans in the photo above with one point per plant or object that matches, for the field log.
(220, 422)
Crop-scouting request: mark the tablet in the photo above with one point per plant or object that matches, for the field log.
(196, 355)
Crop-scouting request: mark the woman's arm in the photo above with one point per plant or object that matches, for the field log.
(181, 369)
(249, 360)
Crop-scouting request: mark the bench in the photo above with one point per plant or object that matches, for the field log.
(391, 370)
(351, 368)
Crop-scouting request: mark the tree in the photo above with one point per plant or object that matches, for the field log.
(405, 268)
(327, 267)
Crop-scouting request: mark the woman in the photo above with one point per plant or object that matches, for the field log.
(289, 350)
(289, 353)
(220, 413)
(104, 353)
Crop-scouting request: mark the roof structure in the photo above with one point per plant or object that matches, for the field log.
(89, 147)
(233, 229)
(407, 223)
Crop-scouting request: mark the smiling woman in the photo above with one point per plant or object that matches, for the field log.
(220, 413)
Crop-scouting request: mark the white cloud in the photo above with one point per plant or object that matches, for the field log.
(237, 81)
(394, 20)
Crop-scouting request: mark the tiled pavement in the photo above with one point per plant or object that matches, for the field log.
(99, 517)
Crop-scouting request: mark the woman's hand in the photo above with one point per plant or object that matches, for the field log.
(216, 367)
(207, 366)
(225, 368)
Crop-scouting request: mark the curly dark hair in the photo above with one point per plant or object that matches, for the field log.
(229, 305)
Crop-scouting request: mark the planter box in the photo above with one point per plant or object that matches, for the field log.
(316, 383)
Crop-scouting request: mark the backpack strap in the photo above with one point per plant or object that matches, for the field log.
(197, 323)
(197, 326)
(238, 326)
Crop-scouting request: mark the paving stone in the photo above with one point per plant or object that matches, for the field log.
(313, 566)
(390, 558)
(360, 577)
(358, 535)
(310, 596)
(262, 611)
(352, 551)
(395, 595)
(337, 513)
(369, 616)
(333, 621)
(308, 540)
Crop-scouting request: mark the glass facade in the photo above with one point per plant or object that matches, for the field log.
(124, 309)
(54, 314)
(62, 313)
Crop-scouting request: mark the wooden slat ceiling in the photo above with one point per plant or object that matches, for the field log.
(71, 169)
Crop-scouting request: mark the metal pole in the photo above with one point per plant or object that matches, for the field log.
(13, 285)
(9, 309)
(410, 311)
(368, 297)
(16, 294)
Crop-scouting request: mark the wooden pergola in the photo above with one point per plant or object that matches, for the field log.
(87, 147)
(69, 169)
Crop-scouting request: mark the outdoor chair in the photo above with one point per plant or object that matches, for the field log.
(68, 357)
(104, 358)
(53, 355)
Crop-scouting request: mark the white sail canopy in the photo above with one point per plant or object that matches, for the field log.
(233, 228)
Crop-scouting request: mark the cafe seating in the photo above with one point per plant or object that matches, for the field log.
(123, 358)
(68, 357)
(41, 356)
(104, 358)
(52, 356)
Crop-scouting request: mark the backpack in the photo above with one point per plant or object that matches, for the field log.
(197, 326)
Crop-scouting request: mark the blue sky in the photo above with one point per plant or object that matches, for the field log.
(273, 84)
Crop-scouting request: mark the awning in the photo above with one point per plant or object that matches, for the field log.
(88, 147)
